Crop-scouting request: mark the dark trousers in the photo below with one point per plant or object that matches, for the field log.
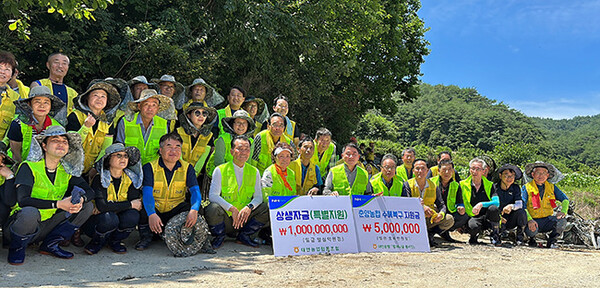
(109, 221)
(215, 215)
(459, 220)
(486, 219)
(166, 216)
(28, 220)
(547, 224)
(516, 218)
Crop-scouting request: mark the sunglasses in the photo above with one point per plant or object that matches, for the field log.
(202, 113)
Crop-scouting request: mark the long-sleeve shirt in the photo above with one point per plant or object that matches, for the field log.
(214, 194)
(24, 181)
(104, 205)
(148, 184)
(511, 196)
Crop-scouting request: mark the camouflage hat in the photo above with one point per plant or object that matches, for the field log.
(72, 162)
(166, 108)
(113, 96)
(183, 241)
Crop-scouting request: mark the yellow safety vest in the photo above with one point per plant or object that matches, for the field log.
(23, 90)
(223, 113)
(545, 209)
(44, 189)
(278, 188)
(27, 133)
(293, 123)
(113, 196)
(429, 194)
(93, 142)
(341, 184)
(379, 185)
(264, 158)
(199, 153)
(452, 191)
(237, 196)
(465, 187)
(323, 162)
(401, 172)
(310, 180)
(134, 137)
(168, 196)
(71, 93)
(7, 110)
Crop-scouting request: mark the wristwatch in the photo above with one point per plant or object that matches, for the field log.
(250, 206)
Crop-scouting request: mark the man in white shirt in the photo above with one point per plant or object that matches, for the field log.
(236, 198)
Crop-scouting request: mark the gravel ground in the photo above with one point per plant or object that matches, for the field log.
(240, 266)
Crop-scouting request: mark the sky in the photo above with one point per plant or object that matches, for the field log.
(539, 57)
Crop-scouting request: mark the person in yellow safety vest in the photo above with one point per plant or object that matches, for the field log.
(235, 99)
(168, 86)
(8, 69)
(308, 175)
(436, 216)
(17, 85)
(200, 91)
(8, 196)
(265, 142)
(434, 171)
(279, 179)
(196, 122)
(258, 111)
(166, 183)
(540, 197)
(238, 124)
(118, 199)
(281, 106)
(144, 125)
(58, 65)
(34, 115)
(324, 155)
(511, 203)
(53, 200)
(452, 195)
(386, 182)
(481, 203)
(90, 120)
(236, 201)
(347, 178)
(404, 171)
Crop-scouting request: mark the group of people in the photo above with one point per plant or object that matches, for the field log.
(134, 154)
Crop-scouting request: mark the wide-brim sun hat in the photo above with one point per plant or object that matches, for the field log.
(178, 95)
(166, 109)
(183, 241)
(58, 108)
(72, 161)
(515, 169)
(242, 114)
(187, 124)
(113, 97)
(262, 106)
(554, 175)
(134, 166)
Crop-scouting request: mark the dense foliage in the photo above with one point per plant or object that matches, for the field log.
(333, 59)
(461, 120)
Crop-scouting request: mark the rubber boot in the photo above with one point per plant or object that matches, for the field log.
(495, 237)
(218, 231)
(61, 232)
(114, 240)
(76, 239)
(446, 236)
(552, 239)
(97, 242)
(245, 233)
(18, 244)
(145, 237)
(519, 236)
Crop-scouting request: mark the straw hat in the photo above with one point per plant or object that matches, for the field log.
(166, 107)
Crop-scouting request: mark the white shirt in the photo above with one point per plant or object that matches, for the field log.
(214, 194)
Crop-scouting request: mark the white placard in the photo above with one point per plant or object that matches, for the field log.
(390, 224)
(304, 225)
